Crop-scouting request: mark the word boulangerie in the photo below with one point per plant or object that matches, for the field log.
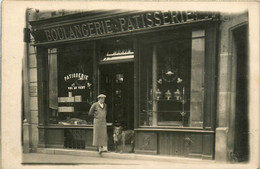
(116, 25)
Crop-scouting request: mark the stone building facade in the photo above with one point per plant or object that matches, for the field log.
(228, 125)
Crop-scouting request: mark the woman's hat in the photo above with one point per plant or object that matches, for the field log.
(101, 96)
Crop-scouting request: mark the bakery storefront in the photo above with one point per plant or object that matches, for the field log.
(157, 69)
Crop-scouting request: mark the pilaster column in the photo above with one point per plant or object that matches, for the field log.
(224, 94)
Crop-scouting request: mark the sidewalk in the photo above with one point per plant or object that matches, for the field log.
(126, 160)
(128, 156)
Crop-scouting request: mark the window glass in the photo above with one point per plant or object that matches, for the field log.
(115, 50)
(197, 78)
(172, 83)
(70, 85)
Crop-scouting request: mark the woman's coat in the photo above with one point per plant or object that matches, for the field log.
(100, 124)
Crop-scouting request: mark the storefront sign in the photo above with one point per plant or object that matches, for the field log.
(76, 75)
(120, 24)
(77, 81)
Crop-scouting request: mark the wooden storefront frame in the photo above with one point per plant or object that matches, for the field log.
(209, 126)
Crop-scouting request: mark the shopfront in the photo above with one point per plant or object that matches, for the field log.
(157, 68)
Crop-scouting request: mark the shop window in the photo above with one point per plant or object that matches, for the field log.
(172, 78)
(70, 75)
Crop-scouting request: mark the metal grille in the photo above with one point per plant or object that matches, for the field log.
(75, 138)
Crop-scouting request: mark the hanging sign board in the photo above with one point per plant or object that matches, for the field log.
(116, 25)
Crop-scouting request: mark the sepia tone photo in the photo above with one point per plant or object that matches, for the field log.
(135, 87)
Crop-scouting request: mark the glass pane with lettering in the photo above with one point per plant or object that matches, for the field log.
(70, 85)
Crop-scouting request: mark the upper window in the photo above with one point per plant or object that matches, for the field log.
(115, 50)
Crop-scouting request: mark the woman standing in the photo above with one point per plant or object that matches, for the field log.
(99, 111)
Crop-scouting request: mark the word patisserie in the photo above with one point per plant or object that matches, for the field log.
(76, 75)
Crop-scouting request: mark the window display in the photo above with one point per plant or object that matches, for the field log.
(172, 82)
(70, 85)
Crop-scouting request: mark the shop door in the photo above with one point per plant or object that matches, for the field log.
(241, 140)
(117, 83)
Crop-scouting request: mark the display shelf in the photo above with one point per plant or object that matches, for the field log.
(75, 112)
(165, 100)
(85, 126)
(174, 128)
(74, 102)
(170, 123)
(166, 111)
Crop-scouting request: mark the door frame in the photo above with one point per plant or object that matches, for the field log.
(114, 72)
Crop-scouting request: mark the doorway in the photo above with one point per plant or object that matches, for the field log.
(241, 146)
(117, 83)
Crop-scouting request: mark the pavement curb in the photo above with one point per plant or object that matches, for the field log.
(130, 156)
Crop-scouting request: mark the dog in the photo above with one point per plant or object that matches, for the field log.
(123, 137)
